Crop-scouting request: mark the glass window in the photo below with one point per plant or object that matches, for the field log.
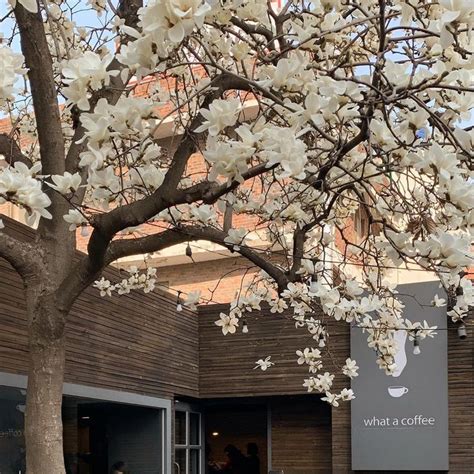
(188, 451)
(12, 441)
(180, 461)
(194, 429)
(194, 458)
(180, 427)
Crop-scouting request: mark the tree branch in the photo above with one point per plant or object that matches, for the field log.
(20, 255)
(35, 49)
(38, 60)
(11, 151)
(180, 234)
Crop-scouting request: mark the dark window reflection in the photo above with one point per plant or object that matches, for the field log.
(180, 427)
(194, 429)
(180, 460)
(12, 440)
(194, 461)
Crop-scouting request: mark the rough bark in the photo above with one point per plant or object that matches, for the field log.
(43, 424)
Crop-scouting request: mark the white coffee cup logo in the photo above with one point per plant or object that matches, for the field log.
(397, 392)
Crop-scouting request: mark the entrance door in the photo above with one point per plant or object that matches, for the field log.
(236, 438)
(188, 454)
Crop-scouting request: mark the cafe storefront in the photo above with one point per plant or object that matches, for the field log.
(100, 428)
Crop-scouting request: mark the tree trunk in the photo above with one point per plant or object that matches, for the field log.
(43, 423)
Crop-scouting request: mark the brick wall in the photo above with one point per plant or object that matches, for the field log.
(218, 280)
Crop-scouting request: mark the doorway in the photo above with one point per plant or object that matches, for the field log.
(236, 437)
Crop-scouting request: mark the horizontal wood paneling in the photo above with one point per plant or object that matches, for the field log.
(227, 362)
(301, 435)
(136, 342)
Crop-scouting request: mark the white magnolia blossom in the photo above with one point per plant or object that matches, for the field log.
(75, 218)
(176, 18)
(88, 71)
(144, 281)
(11, 65)
(331, 398)
(18, 184)
(347, 394)
(219, 115)
(236, 237)
(264, 364)
(192, 299)
(228, 323)
(67, 183)
(325, 154)
(350, 368)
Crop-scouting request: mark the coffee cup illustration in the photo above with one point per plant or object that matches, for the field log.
(397, 391)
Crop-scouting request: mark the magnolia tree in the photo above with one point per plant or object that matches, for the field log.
(302, 115)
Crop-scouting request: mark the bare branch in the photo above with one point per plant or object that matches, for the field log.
(10, 149)
(180, 234)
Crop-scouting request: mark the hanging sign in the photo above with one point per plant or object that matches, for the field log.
(400, 422)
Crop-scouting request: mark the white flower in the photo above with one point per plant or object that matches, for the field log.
(75, 218)
(175, 17)
(229, 159)
(282, 146)
(350, 368)
(438, 302)
(67, 183)
(331, 398)
(228, 323)
(264, 364)
(204, 213)
(308, 355)
(86, 71)
(104, 286)
(278, 305)
(192, 298)
(321, 383)
(235, 237)
(346, 394)
(353, 288)
(222, 113)
(18, 186)
(149, 176)
(11, 64)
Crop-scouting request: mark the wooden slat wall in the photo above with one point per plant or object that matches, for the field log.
(136, 342)
(301, 435)
(227, 362)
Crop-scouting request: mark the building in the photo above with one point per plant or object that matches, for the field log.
(165, 391)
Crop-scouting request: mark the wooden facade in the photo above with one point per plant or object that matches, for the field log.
(139, 343)
(136, 342)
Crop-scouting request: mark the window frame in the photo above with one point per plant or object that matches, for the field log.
(188, 447)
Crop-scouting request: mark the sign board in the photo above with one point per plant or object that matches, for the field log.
(400, 422)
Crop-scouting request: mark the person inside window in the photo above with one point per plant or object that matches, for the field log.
(253, 461)
(236, 461)
(118, 468)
